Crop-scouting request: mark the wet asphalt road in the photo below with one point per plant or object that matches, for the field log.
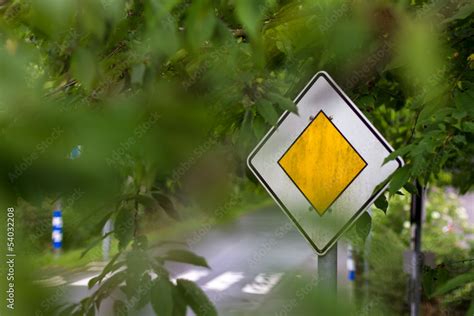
(249, 257)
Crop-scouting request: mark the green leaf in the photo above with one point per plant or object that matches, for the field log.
(108, 268)
(399, 179)
(459, 115)
(267, 111)
(95, 243)
(124, 227)
(100, 225)
(411, 188)
(77, 312)
(380, 186)
(470, 311)
(109, 286)
(86, 303)
(366, 101)
(283, 102)
(138, 263)
(148, 202)
(179, 303)
(196, 298)
(246, 132)
(399, 152)
(381, 203)
(200, 22)
(454, 283)
(432, 278)
(140, 243)
(91, 311)
(160, 270)
(249, 15)
(185, 256)
(468, 127)
(259, 127)
(51, 16)
(144, 292)
(93, 281)
(162, 297)
(83, 66)
(464, 100)
(459, 139)
(363, 226)
(167, 205)
(120, 308)
(462, 13)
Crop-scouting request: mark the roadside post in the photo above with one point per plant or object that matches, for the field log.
(57, 222)
(367, 249)
(351, 269)
(416, 219)
(57, 231)
(106, 243)
(323, 166)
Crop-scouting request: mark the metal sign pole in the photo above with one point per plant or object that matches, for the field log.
(417, 205)
(327, 271)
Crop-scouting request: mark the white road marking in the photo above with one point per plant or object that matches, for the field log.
(224, 281)
(54, 281)
(85, 281)
(96, 266)
(193, 275)
(95, 269)
(263, 283)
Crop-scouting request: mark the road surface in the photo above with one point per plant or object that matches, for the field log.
(251, 257)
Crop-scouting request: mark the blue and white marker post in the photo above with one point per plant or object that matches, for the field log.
(351, 273)
(57, 225)
(351, 269)
(57, 234)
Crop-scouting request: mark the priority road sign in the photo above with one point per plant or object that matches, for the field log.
(323, 165)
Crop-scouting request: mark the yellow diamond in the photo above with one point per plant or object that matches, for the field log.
(322, 163)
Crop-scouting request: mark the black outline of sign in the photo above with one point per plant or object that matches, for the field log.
(352, 180)
(287, 212)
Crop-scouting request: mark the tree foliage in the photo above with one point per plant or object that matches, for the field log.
(141, 84)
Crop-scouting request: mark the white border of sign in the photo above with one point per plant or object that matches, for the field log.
(323, 94)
